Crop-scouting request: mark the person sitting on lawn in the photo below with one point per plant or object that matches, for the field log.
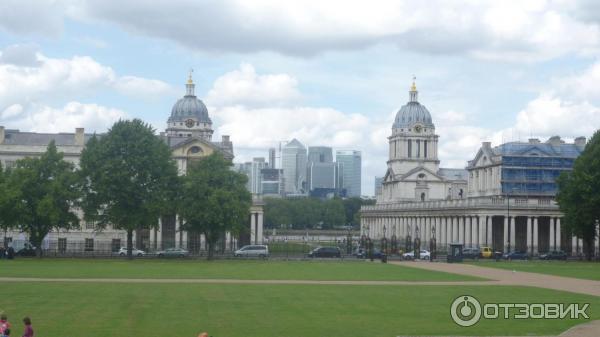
(6, 333)
(28, 329)
(4, 323)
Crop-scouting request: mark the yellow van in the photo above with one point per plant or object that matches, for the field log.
(487, 253)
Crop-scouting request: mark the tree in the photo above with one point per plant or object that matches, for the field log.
(214, 200)
(579, 195)
(40, 195)
(333, 213)
(128, 178)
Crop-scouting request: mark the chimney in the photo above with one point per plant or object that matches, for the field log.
(555, 141)
(79, 137)
(225, 139)
(534, 141)
(1, 134)
(580, 142)
(486, 144)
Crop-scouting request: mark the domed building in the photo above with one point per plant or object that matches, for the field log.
(413, 172)
(189, 131)
(189, 135)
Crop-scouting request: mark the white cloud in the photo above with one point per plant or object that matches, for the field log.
(43, 118)
(507, 30)
(20, 55)
(142, 87)
(42, 17)
(245, 87)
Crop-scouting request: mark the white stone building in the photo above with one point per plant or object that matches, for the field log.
(189, 135)
(504, 199)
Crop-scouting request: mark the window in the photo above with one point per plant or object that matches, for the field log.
(421, 175)
(409, 148)
(422, 196)
(90, 225)
(89, 245)
(418, 148)
(9, 164)
(62, 245)
(425, 149)
(115, 245)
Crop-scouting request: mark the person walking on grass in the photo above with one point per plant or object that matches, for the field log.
(4, 325)
(28, 329)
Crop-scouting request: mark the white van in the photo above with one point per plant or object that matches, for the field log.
(261, 251)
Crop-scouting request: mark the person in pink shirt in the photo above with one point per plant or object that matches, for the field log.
(28, 329)
(4, 324)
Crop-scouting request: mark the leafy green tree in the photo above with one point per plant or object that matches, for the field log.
(214, 200)
(40, 195)
(129, 178)
(277, 212)
(333, 213)
(579, 195)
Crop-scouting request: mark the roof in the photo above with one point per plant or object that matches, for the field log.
(411, 113)
(16, 137)
(543, 149)
(453, 174)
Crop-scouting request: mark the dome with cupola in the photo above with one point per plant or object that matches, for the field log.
(189, 107)
(413, 113)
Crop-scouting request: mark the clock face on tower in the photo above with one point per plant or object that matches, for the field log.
(418, 128)
(189, 123)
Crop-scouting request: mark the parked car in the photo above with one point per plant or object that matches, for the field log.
(516, 256)
(134, 252)
(363, 254)
(554, 255)
(28, 250)
(325, 252)
(172, 252)
(471, 253)
(424, 255)
(261, 251)
(486, 253)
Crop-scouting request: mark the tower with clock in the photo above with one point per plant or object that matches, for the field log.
(413, 172)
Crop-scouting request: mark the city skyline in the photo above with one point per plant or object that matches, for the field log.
(87, 64)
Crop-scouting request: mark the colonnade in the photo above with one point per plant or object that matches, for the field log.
(503, 233)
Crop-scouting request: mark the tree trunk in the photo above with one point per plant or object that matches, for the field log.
(36, 240)
(129, 243)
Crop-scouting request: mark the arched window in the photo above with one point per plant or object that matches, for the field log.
(423, 196)
(195, 150)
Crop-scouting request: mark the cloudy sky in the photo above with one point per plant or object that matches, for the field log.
(326, 72)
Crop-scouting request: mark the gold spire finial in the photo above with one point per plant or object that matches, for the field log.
(413, 87)
(190, 81)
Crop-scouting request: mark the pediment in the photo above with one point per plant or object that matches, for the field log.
(195, 147)
(483, 157)
(534, 151)
(422, 173)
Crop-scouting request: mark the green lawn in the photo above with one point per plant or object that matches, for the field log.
(576, 269)
(184, 310)
(249, 269)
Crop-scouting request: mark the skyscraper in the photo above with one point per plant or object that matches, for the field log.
(272, 158)
(320, 154)
(350, 166)
(294, 167)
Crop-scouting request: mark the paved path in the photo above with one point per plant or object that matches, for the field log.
(512, 278)
(237, 281)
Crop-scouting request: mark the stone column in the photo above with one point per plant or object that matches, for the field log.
(488, 225)
(529, 238)
(428, 229)
(481, 226)
(259, 227)
(474, 232)
(535, 236)
(177, 233)
(552, 243)
(505, 238)
(449, 232)
(558, 235)
(253, 226)
(574, 245)
(513, 233)
(467, 222)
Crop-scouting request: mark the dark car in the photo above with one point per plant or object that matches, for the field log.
(471, 253)
(554, 255)
(325, 252)
(26, 251)
(516, 256)
(363, 254)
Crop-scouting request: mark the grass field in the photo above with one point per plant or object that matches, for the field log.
(262, 310)
(576, 269)
(248, 269)
(157, 310)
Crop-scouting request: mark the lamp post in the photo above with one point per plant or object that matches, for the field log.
(508, 222)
